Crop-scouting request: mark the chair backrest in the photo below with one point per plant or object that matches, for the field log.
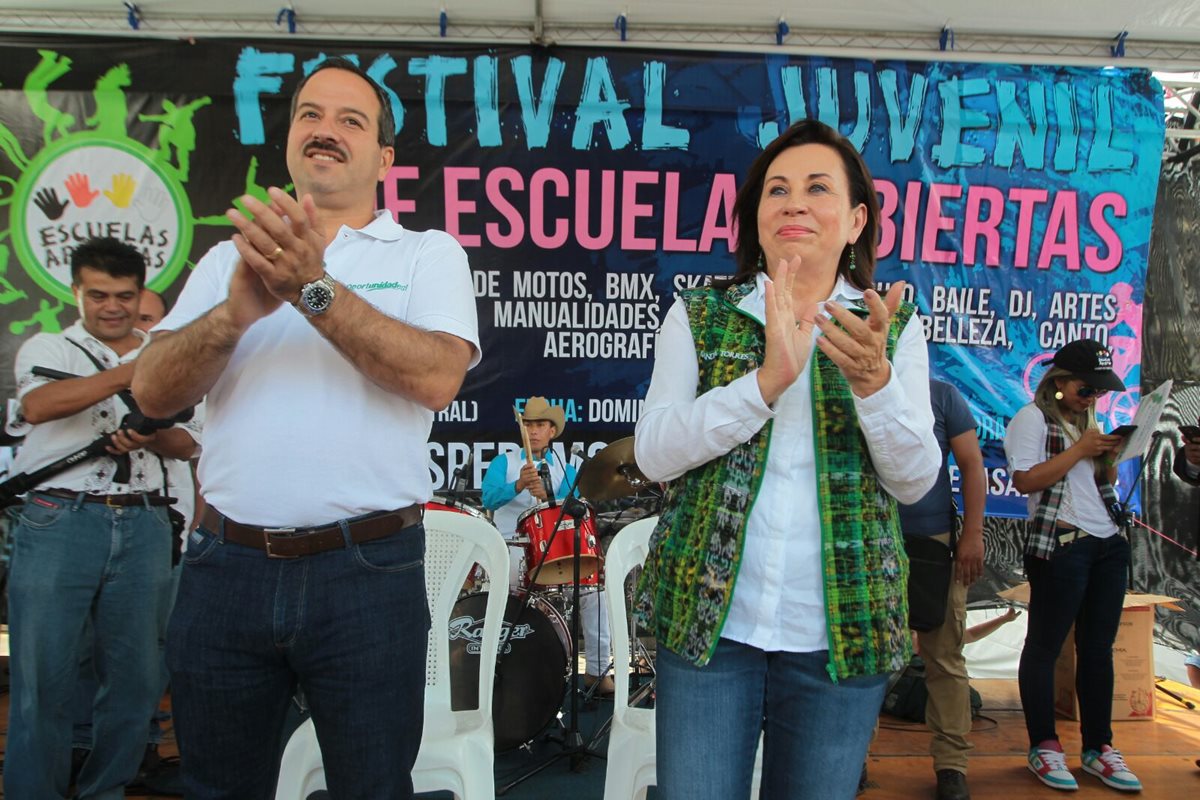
(453, 544)
(626, 552)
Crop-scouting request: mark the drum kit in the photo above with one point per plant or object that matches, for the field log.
(562, 551)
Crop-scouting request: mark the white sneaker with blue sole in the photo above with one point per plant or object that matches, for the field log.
(1108, 765)
(1050, 766)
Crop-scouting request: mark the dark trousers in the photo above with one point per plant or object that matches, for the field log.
(349, 627)
(1083, 584)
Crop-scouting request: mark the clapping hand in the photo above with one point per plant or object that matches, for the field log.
(788, 332)
(284, 243)
(859, 346)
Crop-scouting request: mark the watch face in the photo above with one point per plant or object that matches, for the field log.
(317, 297)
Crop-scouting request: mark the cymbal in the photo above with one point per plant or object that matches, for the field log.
(611, 473)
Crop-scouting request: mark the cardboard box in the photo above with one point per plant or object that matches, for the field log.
(1133, 670)
(1133, 659)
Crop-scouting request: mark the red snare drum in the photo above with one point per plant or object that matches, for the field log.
(441, 501)
(537, 525)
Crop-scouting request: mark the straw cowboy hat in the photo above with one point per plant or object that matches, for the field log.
(538, 408)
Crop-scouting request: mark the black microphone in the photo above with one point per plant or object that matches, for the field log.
(459, 487)
(547, 483)
(578, 452)
(460, 474)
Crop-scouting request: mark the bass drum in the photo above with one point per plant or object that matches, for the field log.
(531, 665)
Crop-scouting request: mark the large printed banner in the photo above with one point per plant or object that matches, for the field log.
(588, 186)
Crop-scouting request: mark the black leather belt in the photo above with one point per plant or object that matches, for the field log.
(123, 500)
(297, 542)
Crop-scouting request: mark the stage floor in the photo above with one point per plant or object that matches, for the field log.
(1162, 752)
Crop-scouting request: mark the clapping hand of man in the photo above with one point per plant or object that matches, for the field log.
(284, 243)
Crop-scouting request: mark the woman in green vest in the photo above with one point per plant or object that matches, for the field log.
(789, 411)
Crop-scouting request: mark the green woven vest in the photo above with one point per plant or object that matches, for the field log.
(696, 548)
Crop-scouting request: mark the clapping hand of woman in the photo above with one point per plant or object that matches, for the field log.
(859, 346)
(788, 332)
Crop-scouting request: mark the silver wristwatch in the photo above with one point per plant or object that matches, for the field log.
(317, 296)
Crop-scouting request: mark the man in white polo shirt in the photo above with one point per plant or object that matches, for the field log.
(324, 336)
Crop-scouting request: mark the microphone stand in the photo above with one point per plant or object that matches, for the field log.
(1127, 518)
(552, 501)
(23, 482)
(573, 746)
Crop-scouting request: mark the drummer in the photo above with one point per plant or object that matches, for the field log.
(511, 487)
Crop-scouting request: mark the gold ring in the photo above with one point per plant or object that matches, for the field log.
(276, 253)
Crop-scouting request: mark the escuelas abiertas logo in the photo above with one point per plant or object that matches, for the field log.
(87, 185)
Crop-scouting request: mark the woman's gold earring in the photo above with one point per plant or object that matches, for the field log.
(1058, 395)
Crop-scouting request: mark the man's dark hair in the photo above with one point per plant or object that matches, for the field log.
(110, 256)
(862, 190)
(387, 122)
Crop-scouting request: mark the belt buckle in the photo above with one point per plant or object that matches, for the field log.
(108, 501)
(267, 533)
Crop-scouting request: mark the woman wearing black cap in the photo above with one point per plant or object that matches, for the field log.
(1074, 557)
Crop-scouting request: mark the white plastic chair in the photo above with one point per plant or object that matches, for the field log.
(632, 760)
(457, 752)
(631, 755)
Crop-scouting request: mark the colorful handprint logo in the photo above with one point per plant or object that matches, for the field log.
(77, 189)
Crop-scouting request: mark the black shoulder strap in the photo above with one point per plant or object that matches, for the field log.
(125, 395)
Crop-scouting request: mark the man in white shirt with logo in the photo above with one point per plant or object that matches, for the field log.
(324, 336)
(92, 544)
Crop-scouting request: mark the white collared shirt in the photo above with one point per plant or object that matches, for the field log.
(778, 600)
(49, 441)
(295, 435)
(1081, 504)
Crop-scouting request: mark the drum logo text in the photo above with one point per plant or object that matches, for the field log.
(470, 629)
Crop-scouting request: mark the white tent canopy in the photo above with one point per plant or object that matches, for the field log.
(1162, 34)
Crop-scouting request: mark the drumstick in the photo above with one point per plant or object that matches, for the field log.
(524, 437)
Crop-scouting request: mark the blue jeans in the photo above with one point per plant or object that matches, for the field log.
(76, 564)
(709, 719)
(1083, 584)
(85, 687)
(348, 626)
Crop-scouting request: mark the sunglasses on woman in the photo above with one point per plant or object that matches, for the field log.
(1086, 391)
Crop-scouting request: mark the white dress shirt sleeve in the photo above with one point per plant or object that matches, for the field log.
(897, 421)
(679, 431)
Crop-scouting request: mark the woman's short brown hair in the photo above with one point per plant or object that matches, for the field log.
(862, 190)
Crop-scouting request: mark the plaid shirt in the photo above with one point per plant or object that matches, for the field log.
(1041, 535)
